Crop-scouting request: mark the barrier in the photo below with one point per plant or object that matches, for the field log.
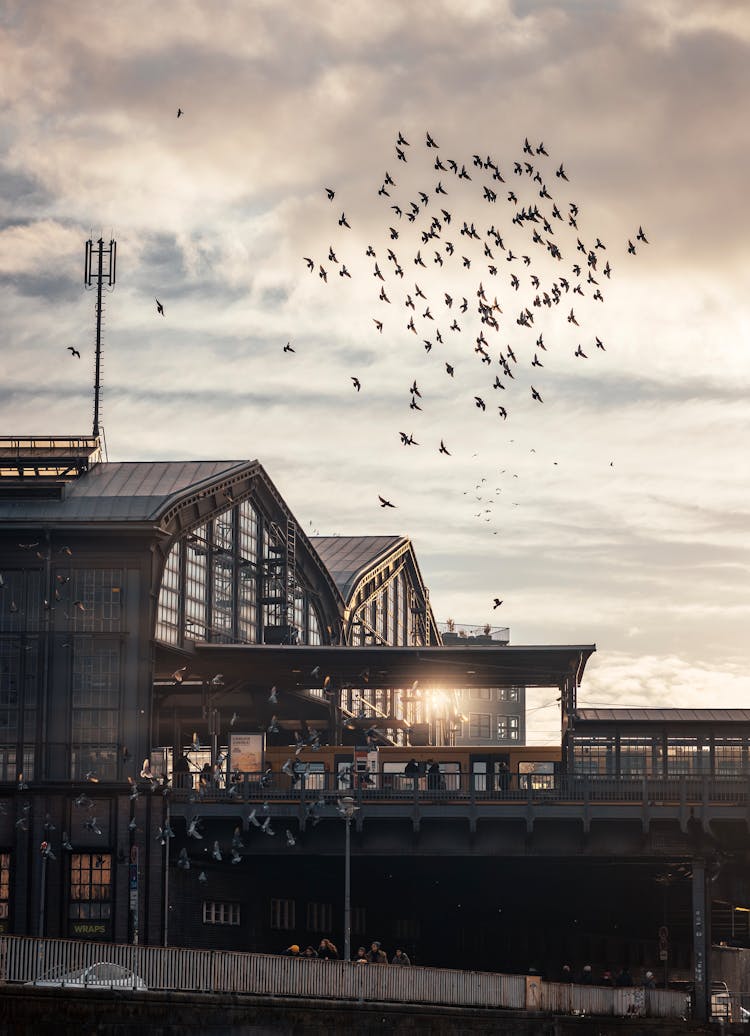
(27, 960)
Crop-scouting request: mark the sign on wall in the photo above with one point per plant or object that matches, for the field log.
(246, 752)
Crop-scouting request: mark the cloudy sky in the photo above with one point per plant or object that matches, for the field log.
(616, 511)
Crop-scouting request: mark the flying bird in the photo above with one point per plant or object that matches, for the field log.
(288, 348)
(443, 449)
(357, 384)
(159, 308)
(343, 221)
(179, 112)
(496, 604)
(384, 502)
(73, 352)
(331, 194)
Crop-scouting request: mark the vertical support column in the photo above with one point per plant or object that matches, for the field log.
(700, 942)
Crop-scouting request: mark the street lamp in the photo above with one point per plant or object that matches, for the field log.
(347, 809)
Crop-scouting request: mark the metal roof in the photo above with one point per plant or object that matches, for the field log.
(348, 557)
(120, 491)
(291, 666)
(628, 715)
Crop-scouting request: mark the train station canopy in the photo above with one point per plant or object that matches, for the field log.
(295, 667)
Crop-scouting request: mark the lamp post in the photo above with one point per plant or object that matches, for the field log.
(347, 809)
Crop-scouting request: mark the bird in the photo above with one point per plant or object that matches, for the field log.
(443, 449)
(273, 697)
(640, 236)
(252, 819)
(73, 352)
(192, 830)
(343, 221)
(579, 352)
(496, 603)
(182, 860)
(357, 384)
(266, 827)
(479, 403)
(290, 839)
(159, 308)
(331, 194)
(177, 675)
(572, 318)
(384, 502)
(310, 263)
(448, 369)
(288, 348)
(236, 858)
(535, 395)
(216, 852)
(430, 142)
(378, 324)
(203, 878)
(233, 720)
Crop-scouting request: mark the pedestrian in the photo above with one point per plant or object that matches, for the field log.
(606, 979)
(503, 776)
(291, 951)
(411, 769)
(649, 982)
(327, 951)
(361, 956)
(309, 952)
(401, 958)
(182, 776)
(566, 974)
(587, 976)
(376, 955)
(624, 977)
(433, 775)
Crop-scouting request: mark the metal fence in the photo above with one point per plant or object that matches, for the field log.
(463, 786)
(62, 961)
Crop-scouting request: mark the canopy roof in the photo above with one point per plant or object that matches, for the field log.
(290, 667)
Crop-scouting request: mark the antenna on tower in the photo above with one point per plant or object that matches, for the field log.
(95, 274)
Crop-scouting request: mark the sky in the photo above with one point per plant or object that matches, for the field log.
(614, 511)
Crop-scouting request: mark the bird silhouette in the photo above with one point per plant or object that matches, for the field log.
(73, 352)
(443, 449)
(288, 348)
(356, 383)
(384, 502)
(159, 308)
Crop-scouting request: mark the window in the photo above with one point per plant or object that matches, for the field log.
(479, 725)
(4, 884)
(97, 593)
(222, 578)
(90, 886)
(221, 913)
(319, 917)
(282, 914)
(359, 919)
(313, 626)
(95, 708)
(594, 755)
(196, 583)
(247, 594)
(481, 693)
(507, 728)
(168, 617)
(635, 756)
(508, 693)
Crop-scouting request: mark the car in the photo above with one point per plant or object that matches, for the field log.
(102, 975)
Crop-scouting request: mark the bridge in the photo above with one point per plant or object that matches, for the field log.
(58, 966)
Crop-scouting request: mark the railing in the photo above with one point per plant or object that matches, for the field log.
(471, 787)
(61, 961)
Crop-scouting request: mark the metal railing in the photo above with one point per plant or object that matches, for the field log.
(472, 787)
(61, 961)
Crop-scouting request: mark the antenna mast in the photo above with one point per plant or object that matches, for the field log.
(94, 272)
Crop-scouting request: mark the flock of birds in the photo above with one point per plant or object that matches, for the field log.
(464, 286)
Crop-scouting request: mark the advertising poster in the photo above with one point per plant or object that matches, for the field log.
(246, 752)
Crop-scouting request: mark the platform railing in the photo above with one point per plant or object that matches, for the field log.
(62, 963)
(470, 787)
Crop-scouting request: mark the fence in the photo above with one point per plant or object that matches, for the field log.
(61, 961)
